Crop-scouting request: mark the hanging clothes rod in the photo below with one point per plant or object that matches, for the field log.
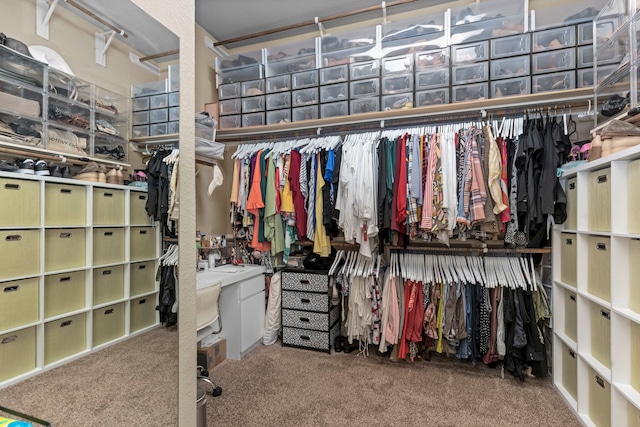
(311, 22)
(483, 250)
(97, 18)
(159, 55)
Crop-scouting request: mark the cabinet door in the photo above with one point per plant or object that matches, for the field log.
(252, 328)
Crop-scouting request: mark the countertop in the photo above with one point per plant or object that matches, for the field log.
(227, 275)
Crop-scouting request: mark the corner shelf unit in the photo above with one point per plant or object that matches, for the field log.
(77, 270)
(596, 292)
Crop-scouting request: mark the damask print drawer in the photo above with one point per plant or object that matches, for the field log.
(305, 281)
(310, 320)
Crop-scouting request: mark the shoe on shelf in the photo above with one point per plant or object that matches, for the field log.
(40, 168)
(112, 176)
(26, 166)
(90, 167)
(102, 174)
(66, 172)
(120, 176)
(7, 167)
(55, 171)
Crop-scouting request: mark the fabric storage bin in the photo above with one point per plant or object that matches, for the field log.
(334, 109)
(174, 114)
(510, 46)
(635, 355)
(306, 338)
(397, 65)
(569, 370)
(64, 338)
(364, 105)
(158, 129)
(108, 324)
(253, 104)
(599, 251)
(335, 92)
(364, 70)
(305, 113)
(230, 122)
(108, 284)
(307, 301)
(16, 246)
(433, 78)
(470, 73)
(278, 83)
(230, 90)
(599, 214)
(139, 104)
(572, 204)
(568, 258)
(108, 246)
(137, 208)
(550, 82)
(600, 319)
(309, 319)
(17, 353)
(305, 282)
(555, 38)
(142, 278)
(253, 119)
(570, 315)
(599, 399)
(23, 198)
(174, 99)
(511, 87)
(339, 73)
(278, 116)
(305, 97)
(64, 204)
(634, 277)
(557, 60)
(108, 206)
(253, 88)
(507, 68)
(397, 102)
(304, 79)
(364, 88)
(397, 84)
(143, 313)
(143, 243)
(64, 293)
(19, 303)
(470, 92)
(432, 58)
(139, 131)
(159, 101)
(472, 52)
(140, 118)
(158, 116)
(432, 97)
(64, 249)
(278, 101)
(633, 198)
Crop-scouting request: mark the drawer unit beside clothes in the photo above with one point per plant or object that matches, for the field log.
(17, 353)
(64, 249)
(433, 78)
(64, 338)
(305, 113)
(17, 246)
(364, 105)
(278, 116)
(278, 101)
(21, 200)
(557, 60)
(143, 313)
(432, 97)
(108, 206)
(335, 74)
(308, 319)
(432, 58)
(64, 293)
(108, 324)
(555, 38)
(64, 205)
(510, 46)
(19, 302)
(108, 245)
(108, 284)
(470, 73)
(143, 243)
(364, 70)
(472, 52)
(511, 87)
(142, 278)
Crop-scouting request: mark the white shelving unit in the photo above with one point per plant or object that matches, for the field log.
(596, 292)
(77, 270)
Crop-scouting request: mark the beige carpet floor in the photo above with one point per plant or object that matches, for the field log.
(133, 384)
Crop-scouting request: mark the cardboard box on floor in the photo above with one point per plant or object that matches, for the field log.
(212, 355)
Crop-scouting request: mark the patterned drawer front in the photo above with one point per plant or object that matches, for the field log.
(310, 339)
(310, 320)
(305, 301)
(307, 282)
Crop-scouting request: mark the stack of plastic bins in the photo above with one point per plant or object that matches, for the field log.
(305, 96)
(278, 99)
(334, 91)
(470, 71)
(553, 62)
(291, 58)
(510, 66)
(364, 86)
(432, 77)
(253, 103)
(111, 133)
(397, 82)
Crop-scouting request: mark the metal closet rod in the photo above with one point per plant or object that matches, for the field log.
(97, 18)
(311, 22)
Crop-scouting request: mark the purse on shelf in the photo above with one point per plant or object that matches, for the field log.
(614, 105)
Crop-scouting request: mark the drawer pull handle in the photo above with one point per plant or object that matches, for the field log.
(569, 241)
(605, 314)
(11, 288)
(66, 323)
(305, 300)
(572, 186)
(142, 301)
(108, 194)
(305, 282)
(106, 272)
(602, 179)
(572, 298)
(601, 246)
(65, 235)
(65, 190)
(600, 381)
(572, 354)
(305, 338)
(8, 340)
(304, 319)
(108, 233)
(12, 186)
(142, 197)
(143, 231)
(13, 238)
(109, 311)
(142, 267)
(65, 279)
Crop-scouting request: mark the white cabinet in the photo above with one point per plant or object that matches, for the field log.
(252, 309)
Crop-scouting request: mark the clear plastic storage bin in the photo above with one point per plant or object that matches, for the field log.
(253, 104)
(139, 104)
(305, 113)
(335, 92)
(139, 131)
(364, 70)
(397, 65)
(585, 57)
(230, 122)
(253, 119)
(507, 68)
(277, 101)
(140, 118)
(473, 52)
(486, 20)
(434, 77)
(399, 101)
(556, 38)
(158, 129)
(174, 99)
(159, 101)
(158, 116)
(470, 73)
(604, 28)
(337, 74)
(364, 105)
(425, 98)
(604, 72)
(253, 88)
(348, 47)
(291, 58)
(239, 68)
(555, 81)
(511, 46)
(150, 88)
(511, 87)
(415, 34)
(278, 83)
(557, 60)
(334, 109)
(229, 106)
(432, 58)
(278, 116)
(174, 114)
(304, 79)
(227, 91)
(304, 97)
(173, 127)
(397, 84)
(470, 92)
